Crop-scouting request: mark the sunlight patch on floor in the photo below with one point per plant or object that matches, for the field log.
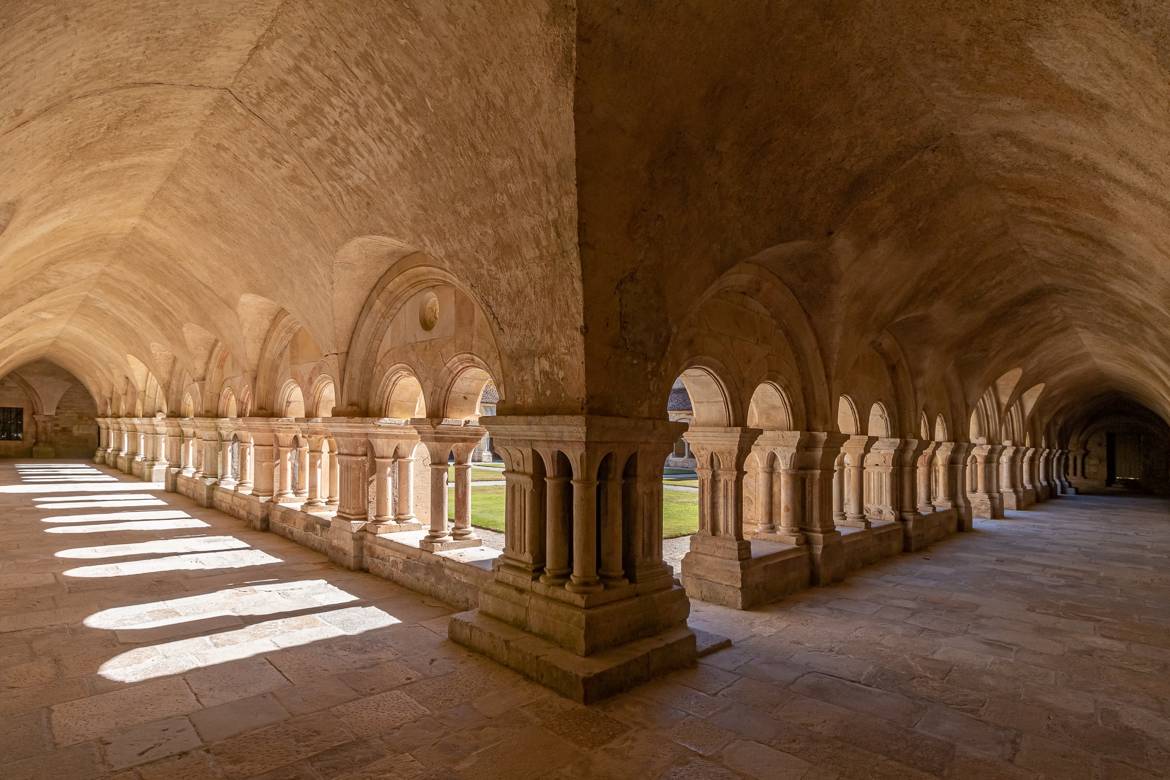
(101, 517)
(185, 655)
(232, 559)
(186, 544)
(266, 598)
(132, 525)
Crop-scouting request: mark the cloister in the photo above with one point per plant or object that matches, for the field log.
(290, 283)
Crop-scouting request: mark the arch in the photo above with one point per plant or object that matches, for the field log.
(291, 400)
(923, 427)
(269, 390)
(461, 397)
(324, 396)
(400, 394)
(398, 286)
(710, 399)
(227, 403)
(769, 408)
(848, 421)
(1006, 385)
(187, 405)
(940, 428)
(983, 426)
(879, 421)
(810, 401)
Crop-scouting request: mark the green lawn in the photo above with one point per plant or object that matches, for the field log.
(680, 513)
(684, 482)
(478, 474)
(680, 510)
(487, 507)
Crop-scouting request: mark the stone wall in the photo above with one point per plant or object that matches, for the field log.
(12, 394)
(67, 425)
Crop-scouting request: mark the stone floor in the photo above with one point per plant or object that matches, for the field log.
(144, 637)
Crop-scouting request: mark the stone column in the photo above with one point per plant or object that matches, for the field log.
(717, 568)
(987, 501)
(438, 535)
(139, 442)
(882, 474)
(382, 468)
(334, 481)
(441, 439)
(839, 490)
(957, 485)
(208, 434)
(855, 450)
(155, 469)
(922, 484)
(558, 518)
(246, 467)
(523, 557)
(264, 459)
(404, 492)
(944, 496)
(1044, 484)
(767, 511)
(285, 452)
(910, 467)
(227, 431)
(528, 622)
(111, 450)
(347, 529)
(189, 454)
(463, 530)
(1028, 476)
(314, 500)
(99, 455)
(584, 578)
(1009, 483)
(301, 453)
(815, 459)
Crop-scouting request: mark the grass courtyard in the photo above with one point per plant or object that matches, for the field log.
(680, 509)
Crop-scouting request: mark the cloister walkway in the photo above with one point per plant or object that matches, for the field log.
(142, 636)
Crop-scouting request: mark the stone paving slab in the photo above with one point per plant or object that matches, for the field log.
(1036, 646)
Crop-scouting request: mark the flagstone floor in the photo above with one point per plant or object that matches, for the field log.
(142, 636)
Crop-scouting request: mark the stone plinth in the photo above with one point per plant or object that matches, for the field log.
(581, 600)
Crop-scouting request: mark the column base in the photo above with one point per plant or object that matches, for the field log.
(346, 542)
(585, 679)
(1012, 499)
(450, 543)
(155, 472)
(987, 505)
(781, 536)
(913, 531)
(826, 557)
(772, 572)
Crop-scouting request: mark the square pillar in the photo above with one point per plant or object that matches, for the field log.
(615, 619)
(909, 466)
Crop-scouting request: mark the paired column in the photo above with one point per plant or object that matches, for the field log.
(882, 478)
(925, 470)
(314, 500)
(99, 455)
(987, 501)
(443, 440)
(854, 453)
(285, 453)
(582, 567)
(226, 429)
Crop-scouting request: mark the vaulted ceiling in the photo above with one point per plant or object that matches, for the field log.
(987, 182)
